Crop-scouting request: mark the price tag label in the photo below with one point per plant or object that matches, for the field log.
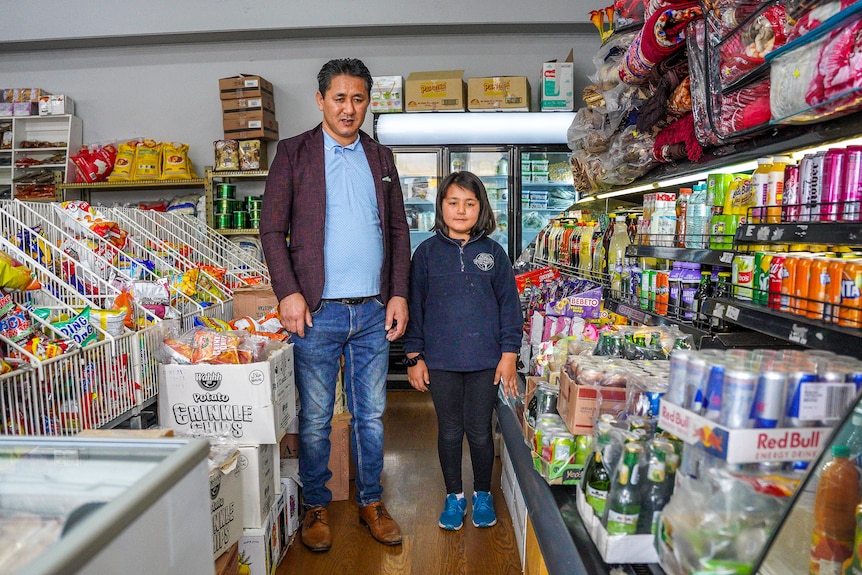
(731, 313)
(718, 310)
(726, 257)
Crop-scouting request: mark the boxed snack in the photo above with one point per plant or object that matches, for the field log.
(252, 155)
(56, 104)
(239, 105)
(255, 550)
(290, 491)
(255, 468)
(251, 120)
(557, 85)
(244, 86)
(244, 402)
(25, 109)
(226, 155)
(226, 499)
(435, 91)
(247, 133)
(386, 94)
(510, 93)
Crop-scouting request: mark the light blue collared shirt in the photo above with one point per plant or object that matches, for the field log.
(353, 247)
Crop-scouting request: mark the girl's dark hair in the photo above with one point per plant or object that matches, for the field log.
(342, 67)
(469, 181)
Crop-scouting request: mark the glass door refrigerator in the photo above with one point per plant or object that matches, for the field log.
(419, 170)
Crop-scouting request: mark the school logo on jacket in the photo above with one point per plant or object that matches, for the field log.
(484, 261)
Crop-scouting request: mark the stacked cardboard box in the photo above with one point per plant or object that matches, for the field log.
(248, 108)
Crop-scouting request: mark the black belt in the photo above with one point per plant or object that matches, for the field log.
(353, 300)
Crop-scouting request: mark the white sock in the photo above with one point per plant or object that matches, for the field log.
(460, 495)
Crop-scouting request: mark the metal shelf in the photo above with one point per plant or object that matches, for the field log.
(239, 231)
(250, 174)
(649, 318)
(701, 256)
(788, 327)
(830, 233)
(135, 185)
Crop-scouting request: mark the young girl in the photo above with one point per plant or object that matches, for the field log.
(463, 337)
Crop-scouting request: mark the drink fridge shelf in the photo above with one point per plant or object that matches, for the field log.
(789, 327)
(701, 256)
(829, 233)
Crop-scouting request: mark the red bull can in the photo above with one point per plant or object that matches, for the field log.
(767, 411)
(794, 412)
(697, 373)
(854, 376)
(712, 396)
(838, 393)
(738, 390)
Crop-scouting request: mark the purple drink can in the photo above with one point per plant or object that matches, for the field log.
(767, 411)
(793, 399)
(712, 396)
(790, 200)
(737, 396)
(852, 194)
(832, 180)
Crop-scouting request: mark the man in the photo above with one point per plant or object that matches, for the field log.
(342, 284)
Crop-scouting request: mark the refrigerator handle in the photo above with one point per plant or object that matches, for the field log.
(514, 204)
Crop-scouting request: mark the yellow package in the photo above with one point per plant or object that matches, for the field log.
(175, 161)
(148, 160)
(124, 164)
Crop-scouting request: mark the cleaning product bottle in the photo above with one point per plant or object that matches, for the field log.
(834, 514)
(617, 253)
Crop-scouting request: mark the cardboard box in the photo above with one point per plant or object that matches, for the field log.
(250, 121)
(228, 562)
(289, 446)
(557, 86)
(255, 550)
(386, 92)
(489, 94)
(742, 445)
(239, 105)
(253, 301)
(25, 109)
(255, 471)
(615, 548)
(55, 105)
(235, 401)
(578, 405)
(279, 539)
(262, 133)
(244, 86)
(226, 500)
(339, 457)
(152, 433)
(435, 91)
(290, 491)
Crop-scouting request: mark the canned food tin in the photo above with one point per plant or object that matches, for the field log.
(254, 203)
(225, 206)
(223, 221)
(240, 219)
(253, 223)
(225, 191)
(255, 214)
(767, 411)
(737, 395)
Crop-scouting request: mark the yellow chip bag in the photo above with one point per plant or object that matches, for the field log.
(124, 164)
(148, 160)
(109, 320)
(175, 161)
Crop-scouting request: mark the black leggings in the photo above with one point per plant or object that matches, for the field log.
(464, 402)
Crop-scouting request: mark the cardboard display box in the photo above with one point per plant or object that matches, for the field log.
(261, 133)
(290, 491)
(56, 105)
(557, 86)
(226, 501)
(243, 402)
(151, 433)
(252, 120)
(339, 457)
(386, 92)
(239, 105)
(579, 404)
(255, 550)
(616, 548)
(255, 470)
(244, 86)
(253, 301)
(489, 94)
(435, 91)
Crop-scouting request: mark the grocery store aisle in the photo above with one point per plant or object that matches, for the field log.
(413, 493)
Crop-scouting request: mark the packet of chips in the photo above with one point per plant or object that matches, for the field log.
(175, 162)
(77, 328)
(15, 276)
(124, 163)
(148, 160)
(212, 323)
(109, 320)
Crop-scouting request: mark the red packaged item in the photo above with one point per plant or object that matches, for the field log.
(745, 49)
(94, 163)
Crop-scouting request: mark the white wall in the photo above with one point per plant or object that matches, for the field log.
(170, 92)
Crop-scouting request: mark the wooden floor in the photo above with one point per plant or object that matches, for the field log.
(413, 494)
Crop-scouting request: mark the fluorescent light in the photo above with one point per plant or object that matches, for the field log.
(447, 128)
(797, 155)
(634, 190)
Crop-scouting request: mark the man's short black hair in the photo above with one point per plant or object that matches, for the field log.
(342, 67)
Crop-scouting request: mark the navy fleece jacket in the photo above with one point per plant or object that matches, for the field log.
(464, 308)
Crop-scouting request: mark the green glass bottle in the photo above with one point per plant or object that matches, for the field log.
(657, 491)
(623, 505)
(596, 479)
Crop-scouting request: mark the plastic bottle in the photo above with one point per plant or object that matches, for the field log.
(834, 514)
(775, 188)
(585, 263)
(674, 300)
(703, 291)
(698, 214)
(682, 198)
(761, 188)
(617, 253)
(656, 491)
(689, 280)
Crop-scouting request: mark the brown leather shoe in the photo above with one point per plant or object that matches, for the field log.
(315, 529)
(380, 523)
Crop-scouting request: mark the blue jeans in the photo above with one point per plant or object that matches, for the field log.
(357, 332)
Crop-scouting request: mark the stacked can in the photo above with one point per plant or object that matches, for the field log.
(225, 205)
(254, 205)
(764, 388)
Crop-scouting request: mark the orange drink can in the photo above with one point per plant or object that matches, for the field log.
(817, 288)
(833, 292)
(787, 276)
(850, 314)
(800, 286)
(662, 292)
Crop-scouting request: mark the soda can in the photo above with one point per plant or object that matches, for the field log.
(788, 283)
(760, 294)
(776, 267)
(790, 200)
(737, 395)
(645, 288)
(801, 286)
(662, 292)
(793, 398)
(818, 288)
(854, 376)
(696, 375)
(712, 396)
(767, 410)
(742, 269)
(832, 179)
(852, 188)
(811, 188)
(676, 387)
(850, 312)
(650, 288)
(835, 269)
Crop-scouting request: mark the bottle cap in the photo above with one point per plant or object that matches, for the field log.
(764, 161)
(840, 451)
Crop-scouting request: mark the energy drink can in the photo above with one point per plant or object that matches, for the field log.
(790, 201)
(697, 373)
(662, 292)
(852, 197)
(838, 392)
(794, 410)
(767, 411)
(676, 387)
(742, 269)
(712, 396)
(854, 376)
(737, 395)
(832, 179)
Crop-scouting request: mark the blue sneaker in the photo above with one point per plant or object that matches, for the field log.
(453, 514)
(483, 509)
